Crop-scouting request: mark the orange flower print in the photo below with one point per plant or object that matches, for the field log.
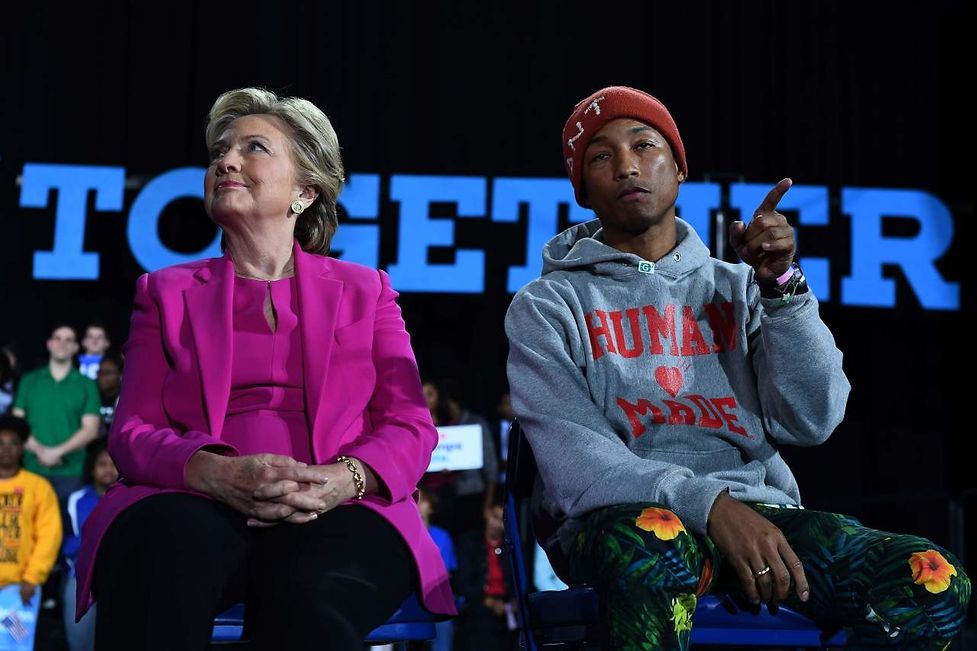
(704, 579)
(931, 570)
(661, 522)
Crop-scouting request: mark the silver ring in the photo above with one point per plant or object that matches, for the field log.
(761, 572)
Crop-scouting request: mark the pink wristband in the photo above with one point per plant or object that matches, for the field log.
(785, 276)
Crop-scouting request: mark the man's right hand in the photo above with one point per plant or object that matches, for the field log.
(234, 480)
(757, 550)
(48, 457)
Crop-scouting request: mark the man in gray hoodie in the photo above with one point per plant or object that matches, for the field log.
(656, 384)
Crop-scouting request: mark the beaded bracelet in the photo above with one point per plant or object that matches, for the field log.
(357, 477)
(783, 292)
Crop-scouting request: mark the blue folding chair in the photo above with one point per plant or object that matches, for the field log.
(572, 616)
(411, 623)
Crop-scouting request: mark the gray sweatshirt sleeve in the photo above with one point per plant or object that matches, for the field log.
(802, 388)
(583, 462)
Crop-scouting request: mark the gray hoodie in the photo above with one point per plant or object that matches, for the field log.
(663, 382)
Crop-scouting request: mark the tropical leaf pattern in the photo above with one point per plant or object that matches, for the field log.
(647, 567)
(887, 589)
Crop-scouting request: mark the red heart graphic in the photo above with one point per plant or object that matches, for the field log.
(670, 378)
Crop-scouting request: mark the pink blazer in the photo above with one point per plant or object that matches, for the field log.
(360, 378)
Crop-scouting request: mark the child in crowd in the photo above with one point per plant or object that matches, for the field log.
(487, 620)
(30, 526)
(99, 474)
(426, 501)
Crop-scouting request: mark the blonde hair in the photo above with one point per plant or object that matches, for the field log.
(315, 152)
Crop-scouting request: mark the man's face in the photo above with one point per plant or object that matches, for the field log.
(63, 344)
(109, 377)
(96, 342)
(11, 449)
(630, 177)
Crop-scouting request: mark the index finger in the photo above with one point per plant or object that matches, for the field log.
(280, 460)
(796, 569)
(301, 474)
(777, 192)
(276, 489)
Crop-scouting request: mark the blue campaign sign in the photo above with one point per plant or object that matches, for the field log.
(502, 200)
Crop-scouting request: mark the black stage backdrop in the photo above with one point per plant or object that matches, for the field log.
(835, 94)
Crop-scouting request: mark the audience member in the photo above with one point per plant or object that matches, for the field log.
(94, 344)
(8, 379)
(504, 411)
(465, 496)
(487, 620)
(99, 474)
(427, 504)
(109, 385)
(62, 408)
(30, 527)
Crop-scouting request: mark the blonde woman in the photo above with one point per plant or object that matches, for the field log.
(271, 427)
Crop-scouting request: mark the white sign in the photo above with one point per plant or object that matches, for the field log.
(459, 448)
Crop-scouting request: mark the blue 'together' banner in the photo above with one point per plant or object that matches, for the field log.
(359, 238)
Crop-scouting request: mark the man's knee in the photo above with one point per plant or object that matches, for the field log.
(642, 547)
(931, 604)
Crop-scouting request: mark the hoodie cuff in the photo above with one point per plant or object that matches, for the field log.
(691, 499)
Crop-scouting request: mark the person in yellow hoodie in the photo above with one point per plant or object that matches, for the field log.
(30, 521)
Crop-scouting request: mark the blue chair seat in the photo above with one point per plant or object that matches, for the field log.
(411, 622)
(229, 624)
(574, 614)
(718, 620)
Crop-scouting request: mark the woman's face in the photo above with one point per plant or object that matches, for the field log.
(251, 175)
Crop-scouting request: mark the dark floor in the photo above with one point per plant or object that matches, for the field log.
(50, 634)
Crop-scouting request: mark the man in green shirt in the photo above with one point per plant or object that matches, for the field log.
(62, 407)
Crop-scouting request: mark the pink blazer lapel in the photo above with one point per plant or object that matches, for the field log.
(210, 308)
(210, 311)
(319, 299)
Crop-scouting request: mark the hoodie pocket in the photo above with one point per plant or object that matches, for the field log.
(724, 465)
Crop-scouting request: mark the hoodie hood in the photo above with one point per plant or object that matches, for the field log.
(582, 247)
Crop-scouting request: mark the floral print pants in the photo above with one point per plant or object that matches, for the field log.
(887, 589)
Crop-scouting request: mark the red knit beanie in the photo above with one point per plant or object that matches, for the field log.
(609, 104)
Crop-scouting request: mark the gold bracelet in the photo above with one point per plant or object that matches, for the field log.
(357, 477)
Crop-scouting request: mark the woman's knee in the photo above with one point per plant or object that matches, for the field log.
(171, 537)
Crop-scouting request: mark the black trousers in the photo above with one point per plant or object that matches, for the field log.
(170, 563)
